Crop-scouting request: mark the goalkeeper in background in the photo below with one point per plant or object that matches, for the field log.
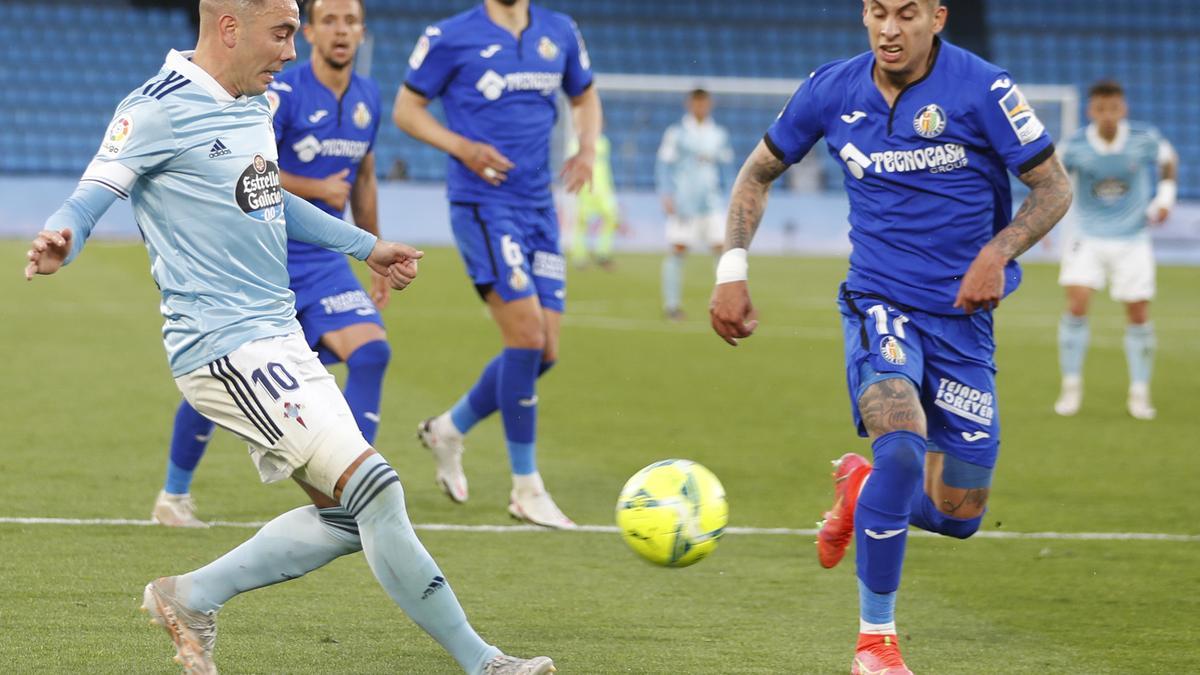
(596, 201)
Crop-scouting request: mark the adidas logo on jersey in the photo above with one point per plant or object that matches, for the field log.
(433, 587)
(219, 150)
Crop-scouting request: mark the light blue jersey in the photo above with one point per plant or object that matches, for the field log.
(1115, 181)
(200, 168)
(691, 160)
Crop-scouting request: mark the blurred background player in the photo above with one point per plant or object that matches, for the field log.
(1114, 161)
(326, 120)
(497, 69)
(933, 254)
(596, 216)
(693, 163)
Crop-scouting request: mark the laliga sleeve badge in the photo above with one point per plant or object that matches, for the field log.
(118, 132)
(889, 349)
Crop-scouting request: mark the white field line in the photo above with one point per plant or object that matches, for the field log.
(609, 529)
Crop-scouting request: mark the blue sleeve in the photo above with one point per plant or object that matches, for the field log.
(309, 224)
(578, 74)
(799, 126)
(279, 96)
(1010, 125)
(80, 213)
(377, 116)
(432, 64)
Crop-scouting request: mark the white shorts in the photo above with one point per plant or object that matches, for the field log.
(1128, 264)
(277, 396)
(703, 230)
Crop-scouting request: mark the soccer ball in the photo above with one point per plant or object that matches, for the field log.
(672, 512)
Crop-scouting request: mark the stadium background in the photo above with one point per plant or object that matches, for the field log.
(1088, 552)
(750, 53)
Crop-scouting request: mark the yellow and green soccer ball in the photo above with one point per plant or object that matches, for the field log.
(672, 512)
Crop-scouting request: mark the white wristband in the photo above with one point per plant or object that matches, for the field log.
(1167, 193)
(732, 266)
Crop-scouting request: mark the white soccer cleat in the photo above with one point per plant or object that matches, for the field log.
(446, 444)
(1139, 402)
(530, 502)
(194, 633)
(1071, 396)
(176, 511)
(512, 665)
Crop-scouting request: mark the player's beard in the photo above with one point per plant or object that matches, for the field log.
(336, 65)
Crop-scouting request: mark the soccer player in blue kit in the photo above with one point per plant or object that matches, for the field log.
(216, 226)
(497, 69)
(926, 133)
(326, 119)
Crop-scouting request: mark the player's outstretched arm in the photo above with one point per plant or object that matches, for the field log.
(731, 312)
(364, 204)
(397, 262)
(411, 114)
(1048, 200)
(68, 228)
(588, 116)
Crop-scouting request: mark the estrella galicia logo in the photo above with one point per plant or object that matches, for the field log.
(258, 190)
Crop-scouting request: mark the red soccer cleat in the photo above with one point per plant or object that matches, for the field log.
(836, 530)
(878, 655)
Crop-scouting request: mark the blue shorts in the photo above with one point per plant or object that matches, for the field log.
(328, 298)
(948, 358)
(513, 250)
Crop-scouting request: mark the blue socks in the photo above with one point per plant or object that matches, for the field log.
(876, 611)
(288, 547)
(926, 516)
(404, 568)
(481, 401)
(884, 506)
(1072, 344)
(1139, 351)
(188, 441)
(517, 397)
(364, 385)
(672, 281)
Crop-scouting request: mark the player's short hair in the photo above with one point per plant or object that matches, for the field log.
(699, 92)
(309, 6)
(1106, 88)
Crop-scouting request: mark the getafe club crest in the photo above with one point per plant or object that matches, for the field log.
(547, 49)
(362, 116)
(891, 352)
(930, 121)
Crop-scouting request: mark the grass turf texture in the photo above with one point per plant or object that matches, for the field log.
(86, 420)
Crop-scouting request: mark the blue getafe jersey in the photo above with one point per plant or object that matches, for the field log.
(200, 169)
(1114, 181)
(319, 135)
(500, 89)
(927, 178)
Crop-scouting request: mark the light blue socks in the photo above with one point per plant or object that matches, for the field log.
(1139, 351)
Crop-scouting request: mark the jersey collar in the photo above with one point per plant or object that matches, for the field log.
(181, 62)
(691, 123)
(1103, 147)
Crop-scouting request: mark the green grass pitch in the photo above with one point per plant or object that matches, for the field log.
(88, 401)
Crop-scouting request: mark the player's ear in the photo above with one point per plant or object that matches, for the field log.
(227, 29)
(940, 14)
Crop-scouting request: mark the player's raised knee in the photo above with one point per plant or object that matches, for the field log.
(375, 354)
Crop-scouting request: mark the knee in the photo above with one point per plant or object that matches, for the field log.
(373, 355)
(900, 453)
(529, 335)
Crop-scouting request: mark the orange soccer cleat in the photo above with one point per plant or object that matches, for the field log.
(838, 527)
(878, 655)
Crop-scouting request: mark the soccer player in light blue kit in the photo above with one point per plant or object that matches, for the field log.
(497, 68)
(926, 134)
(216, 227)
(690, 172)
(1113, 161)
(326, 119)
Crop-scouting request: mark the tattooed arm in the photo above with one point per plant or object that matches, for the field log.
(731, 313)
(1048, 200)
(749, 198)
